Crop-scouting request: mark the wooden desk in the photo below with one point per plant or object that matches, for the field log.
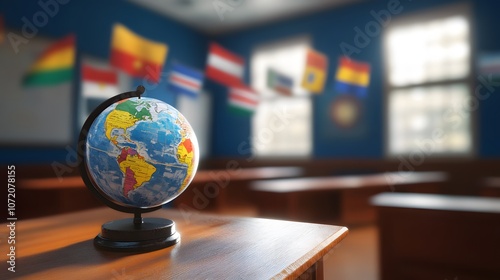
(428, 236)
(216, 189)
(337, 198)
(211, 247)
(49, 196)
(37, 193)
(490, 187)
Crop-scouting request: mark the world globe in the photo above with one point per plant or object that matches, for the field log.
(136, 154)
(141, 152)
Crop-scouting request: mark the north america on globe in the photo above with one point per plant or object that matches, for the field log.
(141, 152)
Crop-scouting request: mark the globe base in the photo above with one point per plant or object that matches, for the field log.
(127, 235)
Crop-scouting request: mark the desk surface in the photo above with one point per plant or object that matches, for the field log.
(211, 247)
(347, 182)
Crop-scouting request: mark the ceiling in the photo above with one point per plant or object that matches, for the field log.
(219, 16)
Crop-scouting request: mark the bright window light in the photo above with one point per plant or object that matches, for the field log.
(281, 125)
(435, 119)
(428, 67)
(430, 51)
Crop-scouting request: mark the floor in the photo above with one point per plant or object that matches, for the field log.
(356, 257)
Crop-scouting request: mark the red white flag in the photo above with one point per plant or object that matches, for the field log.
(224, 67)
(243, 99)
(99, 83)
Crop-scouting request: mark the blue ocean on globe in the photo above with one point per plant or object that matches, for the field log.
(141, 152)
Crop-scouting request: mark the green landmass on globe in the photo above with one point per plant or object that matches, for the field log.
(141, 152)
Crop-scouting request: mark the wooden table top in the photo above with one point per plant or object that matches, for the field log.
(211, 247)
(347, 182)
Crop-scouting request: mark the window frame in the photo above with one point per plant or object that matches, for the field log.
(462, 9)
(306, 38)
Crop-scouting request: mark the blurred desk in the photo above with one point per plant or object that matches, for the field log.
(211, 247)
(50, 196)
(426, 236)
(337, 198)
(216, 189)
(490, 187)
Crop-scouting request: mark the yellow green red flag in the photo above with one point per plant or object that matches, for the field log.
(136, 55)
(54, 66)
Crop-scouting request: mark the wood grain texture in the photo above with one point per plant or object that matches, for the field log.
(211, 247)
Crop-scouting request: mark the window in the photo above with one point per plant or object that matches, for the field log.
(281, 125)
(428, 77)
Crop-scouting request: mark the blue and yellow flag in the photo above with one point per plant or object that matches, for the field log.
(315, 72)
(352, 77)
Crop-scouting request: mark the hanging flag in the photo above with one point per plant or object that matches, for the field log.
(243, 99)
(223, 66)
(54, 66)
(352, 77)
(99, 83)
(315, 72)
(279, 82)
(135, 55)
(185, 80)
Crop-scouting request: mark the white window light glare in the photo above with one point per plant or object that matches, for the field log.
(269, 139)
(427, 52)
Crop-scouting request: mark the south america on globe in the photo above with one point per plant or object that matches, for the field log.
(141, 152)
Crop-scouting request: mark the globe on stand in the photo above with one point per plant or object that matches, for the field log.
(137, 154)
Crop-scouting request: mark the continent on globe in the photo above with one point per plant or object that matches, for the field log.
(185, 155)
(124, 116)
(135, 169)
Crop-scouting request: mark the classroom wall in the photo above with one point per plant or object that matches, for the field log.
(327, 30)
(91, 21)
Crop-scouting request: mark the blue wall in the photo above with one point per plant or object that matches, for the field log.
(487, 40)
(327, 30)
(91, 21)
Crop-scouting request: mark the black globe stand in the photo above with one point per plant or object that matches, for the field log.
(127, 235)
(137, 234)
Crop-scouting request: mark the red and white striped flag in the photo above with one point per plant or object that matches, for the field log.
(243, 99)
(99, 83)
(224, 67)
